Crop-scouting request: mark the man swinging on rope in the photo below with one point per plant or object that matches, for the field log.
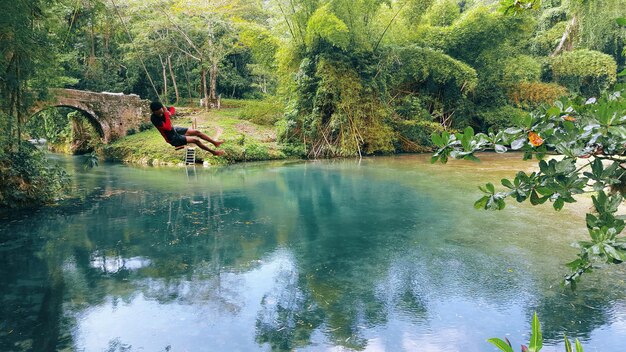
(179, 136)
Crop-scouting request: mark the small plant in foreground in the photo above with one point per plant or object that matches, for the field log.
(536, 341)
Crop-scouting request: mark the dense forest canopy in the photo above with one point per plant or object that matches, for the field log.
(352, 77)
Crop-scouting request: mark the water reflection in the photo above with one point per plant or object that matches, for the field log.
(383, 255)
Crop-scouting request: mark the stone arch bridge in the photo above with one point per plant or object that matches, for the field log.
(112, 114)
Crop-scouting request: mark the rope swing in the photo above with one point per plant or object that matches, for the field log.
(133, 44)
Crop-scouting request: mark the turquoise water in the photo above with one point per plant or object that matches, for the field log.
(383, 254)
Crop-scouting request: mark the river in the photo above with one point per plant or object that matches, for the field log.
(381, 254)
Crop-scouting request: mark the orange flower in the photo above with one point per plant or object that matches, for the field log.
(568, 118)
(534, 139)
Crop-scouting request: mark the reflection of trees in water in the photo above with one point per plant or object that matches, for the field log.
(288, 316)
(343, 231)
(31, 287)
(355, 262)
(578, 314)
(65, 257)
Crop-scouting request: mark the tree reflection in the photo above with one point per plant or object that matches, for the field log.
(362, 249)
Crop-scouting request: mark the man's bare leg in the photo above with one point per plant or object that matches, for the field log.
(197, 142)
(214, 141)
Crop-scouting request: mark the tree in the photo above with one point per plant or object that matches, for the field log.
(210, 34)
(26, 50)
(590, 135)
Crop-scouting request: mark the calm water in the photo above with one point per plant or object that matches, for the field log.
(386, 254)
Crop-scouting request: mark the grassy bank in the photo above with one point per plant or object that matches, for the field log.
(244, 139)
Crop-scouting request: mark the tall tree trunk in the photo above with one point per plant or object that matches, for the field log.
(169, 64)
(18, 106)
(11, 97)
(93, 41)
(187, 79)
(164, 72)
(567, 40)
(205, 94)
(213, 85)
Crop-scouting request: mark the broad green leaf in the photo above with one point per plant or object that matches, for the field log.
(481, 203)
(596, 167)
(545, 191)
(518, 143)
(437, 140)
(506, 183)
(579, 347)
(613, 253)
(568, 345)
(559, 105)
(565, 166)
(592, 221)
(543, 166)
(536, 340)
(468, 131)
(490, 187)
(500, 148)
(621, 21)
(536, 200)
(502, 346)
(512, 130)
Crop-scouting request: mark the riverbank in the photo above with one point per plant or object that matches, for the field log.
(244, 140)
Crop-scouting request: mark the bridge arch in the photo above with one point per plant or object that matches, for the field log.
(89, 115)
(112, 114)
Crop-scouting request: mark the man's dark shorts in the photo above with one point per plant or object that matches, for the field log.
(179, 139)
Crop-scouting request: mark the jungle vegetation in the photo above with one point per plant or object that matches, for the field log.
(346, 78)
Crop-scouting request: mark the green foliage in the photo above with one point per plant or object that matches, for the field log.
(263, 47)
(499, 118)
(521, 68)
(442, 13)
(51, 124)
(586, 71)
(480, 30)
(253, 151)
(494, 46)
(546, 41)
(414, 135)
(441, 83)
(144, 126)
(345, 120)
(28, 178)
(323, 24)
(518, 6)
(263, 112)
(415, 67)
(530, 95)
(431, 37)
(91, 160)
(415, 10)
(412, 107)
(598, 30)
(591, 133)
(29, 64)
(536, 340)
(550, 17)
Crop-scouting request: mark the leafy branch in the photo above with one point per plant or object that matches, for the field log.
(589, 136)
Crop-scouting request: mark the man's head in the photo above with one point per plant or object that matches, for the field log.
(156, 106)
